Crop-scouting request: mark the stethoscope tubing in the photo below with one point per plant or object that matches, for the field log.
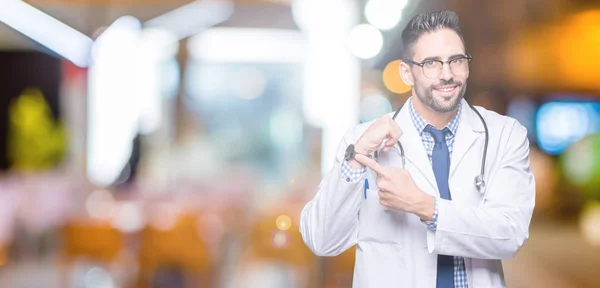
(479, 179)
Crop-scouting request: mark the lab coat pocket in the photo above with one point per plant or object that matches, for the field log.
(376, 222)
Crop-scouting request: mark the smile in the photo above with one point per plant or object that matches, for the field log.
(446, 89)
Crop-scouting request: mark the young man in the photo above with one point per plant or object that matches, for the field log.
(421, 212)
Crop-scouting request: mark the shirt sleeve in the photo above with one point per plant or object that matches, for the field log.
(432, 225)
(350, 174)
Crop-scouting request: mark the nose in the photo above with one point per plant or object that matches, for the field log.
(446, 73)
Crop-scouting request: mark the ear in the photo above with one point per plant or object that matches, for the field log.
(406, 74)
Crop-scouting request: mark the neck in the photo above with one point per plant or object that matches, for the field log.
(435, 118)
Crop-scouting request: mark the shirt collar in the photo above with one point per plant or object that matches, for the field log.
(420, 123)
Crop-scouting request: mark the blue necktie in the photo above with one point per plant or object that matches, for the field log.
(441, 170)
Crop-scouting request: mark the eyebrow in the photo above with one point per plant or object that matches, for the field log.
(440, 58)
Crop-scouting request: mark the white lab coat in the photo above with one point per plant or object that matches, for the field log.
(395, 249)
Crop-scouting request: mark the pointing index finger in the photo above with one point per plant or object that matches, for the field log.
(371, 164)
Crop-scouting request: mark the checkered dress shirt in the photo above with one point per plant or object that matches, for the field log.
(353, 175)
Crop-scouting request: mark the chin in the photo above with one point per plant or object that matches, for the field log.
(446, 103)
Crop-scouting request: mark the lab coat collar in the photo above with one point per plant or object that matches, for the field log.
(469, 128)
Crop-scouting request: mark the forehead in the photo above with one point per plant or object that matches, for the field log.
(441, 43)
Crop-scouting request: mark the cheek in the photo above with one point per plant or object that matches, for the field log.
(423, 83)
(462, 79)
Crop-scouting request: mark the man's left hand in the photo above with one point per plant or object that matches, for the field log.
(398, 190)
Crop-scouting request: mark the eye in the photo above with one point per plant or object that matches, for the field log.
(429, 63)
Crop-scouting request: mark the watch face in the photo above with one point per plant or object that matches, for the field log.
(349, 152)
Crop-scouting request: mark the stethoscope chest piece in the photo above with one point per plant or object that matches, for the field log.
(480, 183)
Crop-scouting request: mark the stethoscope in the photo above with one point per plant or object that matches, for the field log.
(479, 180)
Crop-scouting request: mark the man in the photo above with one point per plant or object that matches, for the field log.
(425, 223)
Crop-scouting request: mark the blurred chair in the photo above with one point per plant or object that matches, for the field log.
(277, 254)
(338, 271)
(178, 248)
(96, 241)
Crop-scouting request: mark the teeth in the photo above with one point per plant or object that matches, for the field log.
(446, 89)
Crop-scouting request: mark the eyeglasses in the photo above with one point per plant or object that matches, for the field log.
(432, 68)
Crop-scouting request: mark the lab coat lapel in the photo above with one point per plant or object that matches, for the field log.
(468, 128)
(413, 145)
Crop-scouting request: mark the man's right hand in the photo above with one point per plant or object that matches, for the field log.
(383, 129)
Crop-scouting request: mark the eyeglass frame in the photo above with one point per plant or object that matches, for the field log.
(422, 63)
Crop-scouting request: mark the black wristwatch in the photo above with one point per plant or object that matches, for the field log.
(350, 153)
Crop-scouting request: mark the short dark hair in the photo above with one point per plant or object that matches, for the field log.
(427, 22)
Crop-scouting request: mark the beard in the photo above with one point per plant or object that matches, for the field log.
(439, 104)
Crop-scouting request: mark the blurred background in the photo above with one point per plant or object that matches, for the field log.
(154, 143)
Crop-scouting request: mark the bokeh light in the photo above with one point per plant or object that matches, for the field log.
(581, 165)
(559, 124)
(283, 222)
(164, 217)
(384, 14)
(552, 45)
(365, 41)
(576, 63)
(392, 80)
(98, 277)
(280, 239)
(129, 217)
(373, 106)
(590, 224)
(579, 162)
(100, 204)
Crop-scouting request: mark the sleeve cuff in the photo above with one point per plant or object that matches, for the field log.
(432, 225)
(350, 174)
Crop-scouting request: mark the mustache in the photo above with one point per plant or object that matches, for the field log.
(448, 82)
